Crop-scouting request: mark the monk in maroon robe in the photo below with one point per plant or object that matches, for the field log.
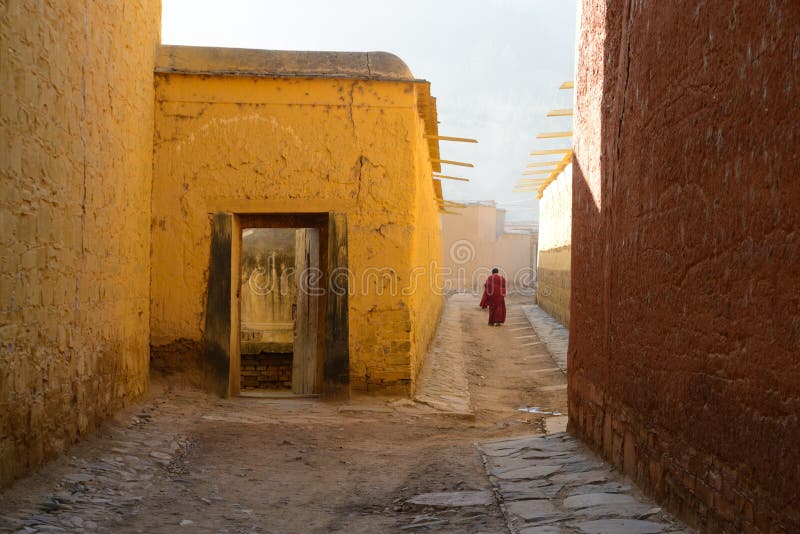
(484, 299)
(496, 298)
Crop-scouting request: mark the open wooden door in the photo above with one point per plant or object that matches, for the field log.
(304, 360)
(336, 367)
(220, 363)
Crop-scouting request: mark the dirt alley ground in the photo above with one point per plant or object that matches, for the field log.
(183, 461)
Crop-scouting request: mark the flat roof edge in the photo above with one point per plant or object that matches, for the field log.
(214, 61)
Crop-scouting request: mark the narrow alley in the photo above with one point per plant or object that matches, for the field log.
(182, 459)
(246, 249)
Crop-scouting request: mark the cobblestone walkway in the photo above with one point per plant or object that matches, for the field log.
(553, 484)
(106, 479)
(551, 332)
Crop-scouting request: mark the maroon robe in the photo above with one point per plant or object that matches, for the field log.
(496, 298)
(484, 299)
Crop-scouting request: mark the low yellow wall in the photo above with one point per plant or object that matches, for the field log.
(553, 291)
(266, 145)
(555, 246)
(76, 144)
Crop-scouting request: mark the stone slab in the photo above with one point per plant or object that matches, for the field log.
(543, 529)
(515, 491)
(620, 526)
(588, 500)
(554, 484)
(533, 509)
(584, 477)
(551, 332)
(609, 487)
(534, 471)
(634, 510)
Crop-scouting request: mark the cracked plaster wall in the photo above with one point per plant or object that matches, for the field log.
(685, 335)
(76, 136)
(266, 145)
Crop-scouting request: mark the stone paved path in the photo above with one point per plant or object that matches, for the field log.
(551, 332)
(105, 480)
(554, 484)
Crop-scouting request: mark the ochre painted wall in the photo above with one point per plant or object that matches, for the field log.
(426, 294)
(555, 248)
(266, 145)
(685, 334)
(76, 137)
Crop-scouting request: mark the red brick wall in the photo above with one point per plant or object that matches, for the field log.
(684, 358)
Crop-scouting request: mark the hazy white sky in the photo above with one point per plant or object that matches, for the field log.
(494, 66)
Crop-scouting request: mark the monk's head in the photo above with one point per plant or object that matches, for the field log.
(495, 270)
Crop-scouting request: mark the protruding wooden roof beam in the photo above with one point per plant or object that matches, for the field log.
(559, 113)
(450, 162)
(544, 171)
(553, 151)
(567, 85)
(553, 135)
(456, 139)
(544, 163)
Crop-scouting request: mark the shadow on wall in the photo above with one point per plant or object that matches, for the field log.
(684, 339)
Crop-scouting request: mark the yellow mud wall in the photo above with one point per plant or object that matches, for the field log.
(76, 134)
(425, 286)
(293, 145)
(555, 248)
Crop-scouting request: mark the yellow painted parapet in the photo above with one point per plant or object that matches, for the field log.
(540, 184)
(311, 140)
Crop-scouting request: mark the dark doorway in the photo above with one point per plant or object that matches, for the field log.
(276, 321)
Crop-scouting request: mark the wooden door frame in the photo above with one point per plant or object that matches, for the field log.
(221, 352)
